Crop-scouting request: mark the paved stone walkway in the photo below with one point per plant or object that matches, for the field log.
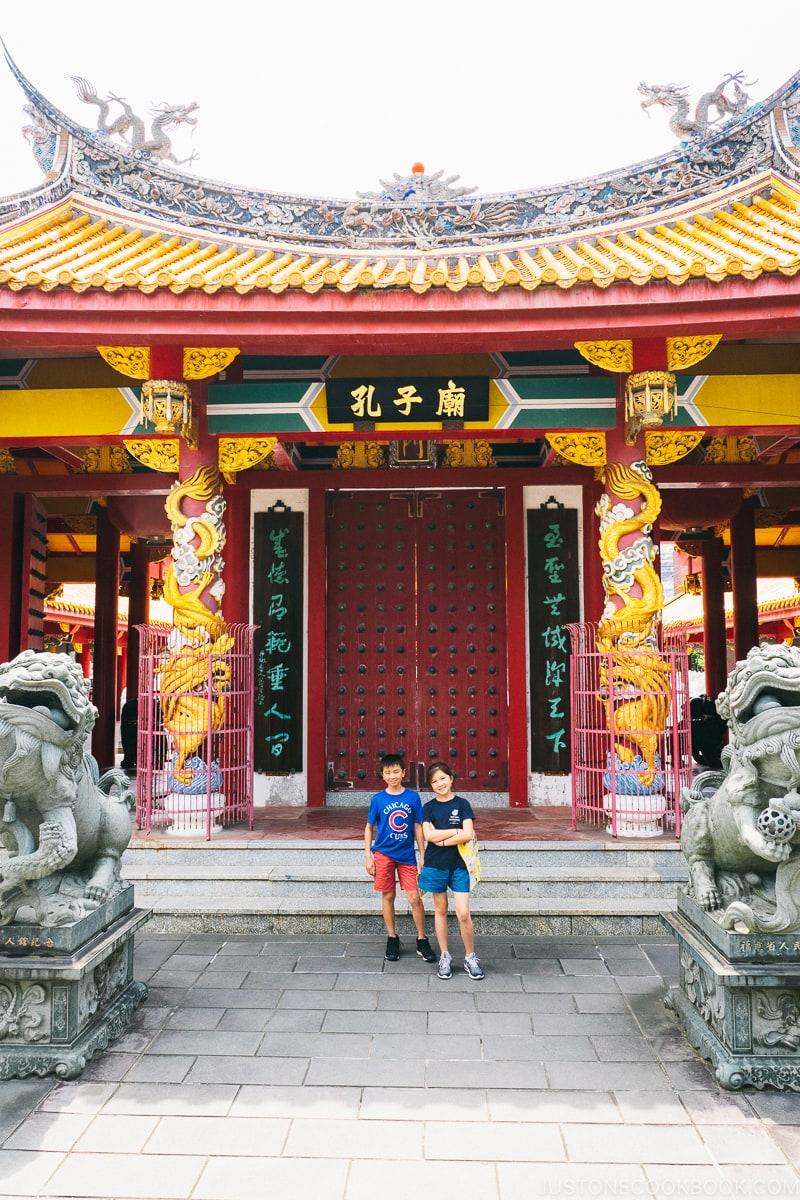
(307, 1067)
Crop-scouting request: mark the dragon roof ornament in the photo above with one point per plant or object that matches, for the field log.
(414, 214)
(130, 127)
(675, 99)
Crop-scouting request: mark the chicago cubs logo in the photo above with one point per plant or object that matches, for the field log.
(398, 821)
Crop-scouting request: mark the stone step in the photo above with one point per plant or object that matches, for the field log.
(661, 856)
(345, 881)
(262, 886)
(259, 914)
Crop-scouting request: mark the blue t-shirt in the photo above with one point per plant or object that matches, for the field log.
(446, 814)
(394, 818)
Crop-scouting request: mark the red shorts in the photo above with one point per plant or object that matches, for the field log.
(385, 868)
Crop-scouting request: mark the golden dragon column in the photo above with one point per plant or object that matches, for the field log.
(195, 675)
(635, 679)
(194, 671)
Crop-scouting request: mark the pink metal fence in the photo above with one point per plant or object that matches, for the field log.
(635, 793)
(195, 733)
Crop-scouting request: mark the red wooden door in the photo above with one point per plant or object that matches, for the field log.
(416, 635)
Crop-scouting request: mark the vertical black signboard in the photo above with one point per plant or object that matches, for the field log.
(278, 644)
(553, 604)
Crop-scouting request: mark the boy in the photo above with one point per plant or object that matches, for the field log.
(392, 836)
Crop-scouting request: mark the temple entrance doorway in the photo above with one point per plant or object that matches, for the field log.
(416, 635)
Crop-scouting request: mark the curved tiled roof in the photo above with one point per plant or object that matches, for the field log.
(80, 247)
(777, 596)
(110, 218)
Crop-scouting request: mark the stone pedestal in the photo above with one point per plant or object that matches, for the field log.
(188, 812)
(67, 991)
(637, 816)
(739, 999)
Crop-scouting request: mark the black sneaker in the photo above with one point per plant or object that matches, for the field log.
(424, 950)
(392, 949)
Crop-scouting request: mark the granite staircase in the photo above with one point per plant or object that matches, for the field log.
(296, 887)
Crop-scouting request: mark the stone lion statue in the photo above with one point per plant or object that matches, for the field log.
(65, 828)
(741, 824)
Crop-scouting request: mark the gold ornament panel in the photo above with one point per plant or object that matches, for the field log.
(199, 362)
(469, 454)
(686, 351)
(159, 454)
(585, 449)
(614, 355)
(670, 445)
(730, 449)
(360, 455)
(133, 361)
(107, 459)
(239, 454)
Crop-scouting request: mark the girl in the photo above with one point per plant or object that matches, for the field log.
(448, 820)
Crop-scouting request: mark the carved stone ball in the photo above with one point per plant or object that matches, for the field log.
(776, 824)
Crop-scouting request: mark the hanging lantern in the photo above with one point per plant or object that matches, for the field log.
(651, 397)
(166, 404)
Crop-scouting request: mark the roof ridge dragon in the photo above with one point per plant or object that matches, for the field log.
(675, 99)
(131, 128)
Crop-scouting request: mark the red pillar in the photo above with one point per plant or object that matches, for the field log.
(518, 733)
(104, 693)
(138, 612)
(315, 643)
(9, 581)
(744, 579)
(237, 555)
(715, 645)
(593, 592)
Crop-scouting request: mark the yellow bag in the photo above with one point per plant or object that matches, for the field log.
(472, 860)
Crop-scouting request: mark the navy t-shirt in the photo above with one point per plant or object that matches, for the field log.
(446, 814)
(394, 818)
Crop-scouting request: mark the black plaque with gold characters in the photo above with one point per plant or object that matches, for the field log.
(408, 401)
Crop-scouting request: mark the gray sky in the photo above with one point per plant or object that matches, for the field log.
(328, 99)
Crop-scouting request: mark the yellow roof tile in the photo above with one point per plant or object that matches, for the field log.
(74, 246)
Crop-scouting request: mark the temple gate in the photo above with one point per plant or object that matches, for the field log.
(416, 635)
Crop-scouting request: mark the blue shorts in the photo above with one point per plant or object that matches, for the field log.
(435, 879)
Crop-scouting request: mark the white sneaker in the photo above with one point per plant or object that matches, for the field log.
(445, 969)
(473, 967)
